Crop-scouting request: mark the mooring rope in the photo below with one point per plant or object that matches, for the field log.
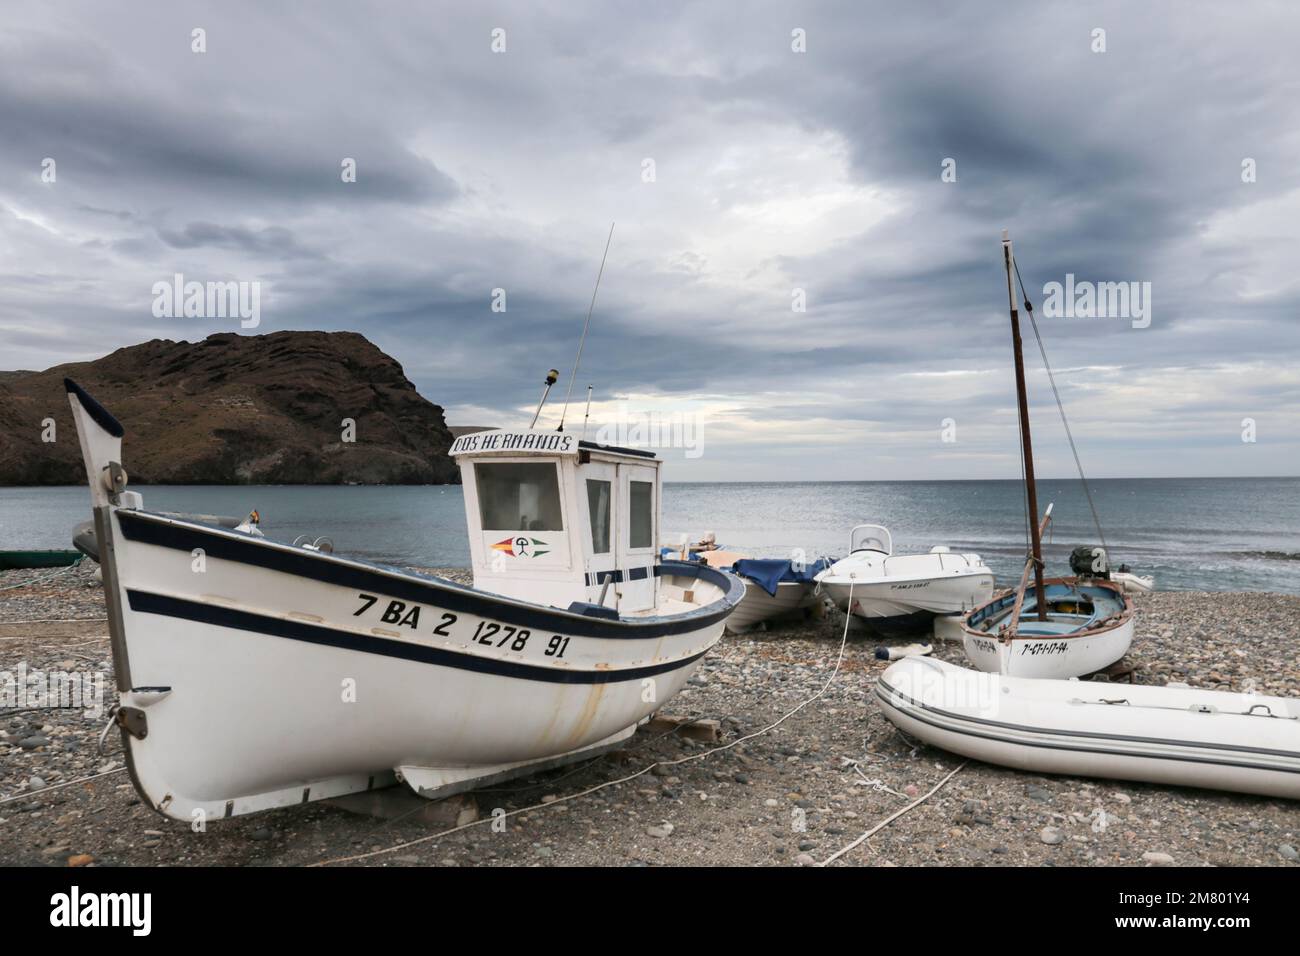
(42, 579)
(60, 786)
(892, 817)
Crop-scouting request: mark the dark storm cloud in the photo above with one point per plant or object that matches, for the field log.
(776, 171)
(274, 242)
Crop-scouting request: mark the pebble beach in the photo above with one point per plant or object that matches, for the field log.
(709, 786)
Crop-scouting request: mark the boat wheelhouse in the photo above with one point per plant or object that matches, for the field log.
(562, 521)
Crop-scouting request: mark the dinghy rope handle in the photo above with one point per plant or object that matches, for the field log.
(1268, 712)
(1193, 708)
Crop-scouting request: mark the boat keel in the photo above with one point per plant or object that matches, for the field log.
(435, 783)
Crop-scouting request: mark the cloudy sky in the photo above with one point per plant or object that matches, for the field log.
(737, 169)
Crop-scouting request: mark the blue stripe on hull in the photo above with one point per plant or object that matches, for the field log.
(145, 602)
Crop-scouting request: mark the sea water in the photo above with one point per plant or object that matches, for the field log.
(1220, 534)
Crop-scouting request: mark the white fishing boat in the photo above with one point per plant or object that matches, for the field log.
(774, 588)
(253, 674)
(1069, 626)
(1166, 735)
(903, 593)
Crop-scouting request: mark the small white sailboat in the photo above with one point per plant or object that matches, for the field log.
(1069, 626)
(903, 593)
(253, 674)
(1167, 735)
(1088, 625)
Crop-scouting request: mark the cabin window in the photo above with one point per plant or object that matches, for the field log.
(519, 496)
(641, 520)
(598, 495)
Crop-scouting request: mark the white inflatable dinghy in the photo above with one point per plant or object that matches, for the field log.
(1166, 735)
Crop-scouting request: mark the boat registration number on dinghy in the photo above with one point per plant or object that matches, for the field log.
(1041, 649)
(487, 633)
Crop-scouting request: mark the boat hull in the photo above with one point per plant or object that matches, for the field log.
(268, 675)
(908, 606)
(1049, 657)
(1165, 735)
(758, 606)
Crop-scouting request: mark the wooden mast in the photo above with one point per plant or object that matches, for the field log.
(1031, 491)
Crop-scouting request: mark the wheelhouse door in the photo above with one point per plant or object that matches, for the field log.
(598, 494)
(638, 536)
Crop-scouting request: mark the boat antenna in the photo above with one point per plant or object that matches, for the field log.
(1060, 407)
(588, 413)
(551, 377)
(582, 341)
(1026, 444)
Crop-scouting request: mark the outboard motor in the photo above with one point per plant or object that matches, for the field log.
(1090, 561)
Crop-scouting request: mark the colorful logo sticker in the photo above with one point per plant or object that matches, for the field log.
(522, 547)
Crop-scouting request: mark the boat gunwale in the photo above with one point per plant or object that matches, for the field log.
(865, 582)
(578, 625)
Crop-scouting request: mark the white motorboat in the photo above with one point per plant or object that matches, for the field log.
(253, 674)
(903, 593)
(1133, 583)
(1165, 735)
(1069, 627)
(774, 589)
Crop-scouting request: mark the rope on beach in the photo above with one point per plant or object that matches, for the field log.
(60, 786)
(839, 658)
(891, 818)
(40, 579)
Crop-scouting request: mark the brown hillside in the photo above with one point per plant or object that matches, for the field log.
(234, 409)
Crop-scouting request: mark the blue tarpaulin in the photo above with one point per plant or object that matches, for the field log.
(767, 573)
